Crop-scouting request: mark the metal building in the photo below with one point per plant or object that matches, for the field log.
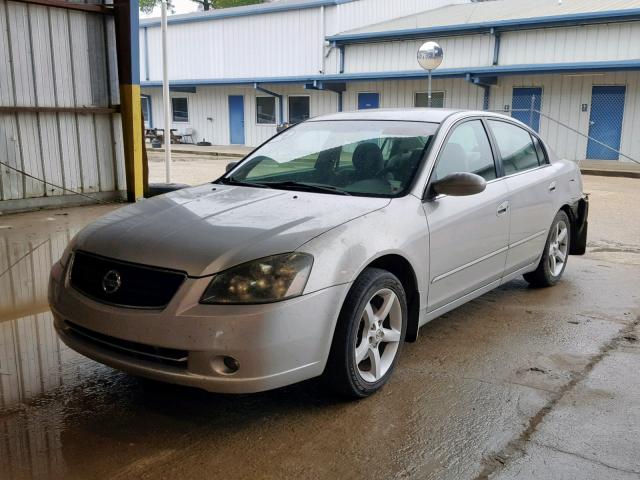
(69, 102)
(236, 74)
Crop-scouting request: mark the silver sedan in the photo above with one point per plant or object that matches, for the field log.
(321, 252)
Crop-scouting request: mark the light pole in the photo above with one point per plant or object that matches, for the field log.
(430, 57)
(165, 95)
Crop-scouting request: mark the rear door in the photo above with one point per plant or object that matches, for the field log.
(468, 236)
(532, 188)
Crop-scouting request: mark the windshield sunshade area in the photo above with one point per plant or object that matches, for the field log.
(356, 157)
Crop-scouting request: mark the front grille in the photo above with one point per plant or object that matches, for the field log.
(124, 284)
(164, 356)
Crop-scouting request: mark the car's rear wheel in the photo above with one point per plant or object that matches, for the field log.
(555, 254)
(369, 334)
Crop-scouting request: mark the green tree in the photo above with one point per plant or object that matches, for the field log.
(148, 5)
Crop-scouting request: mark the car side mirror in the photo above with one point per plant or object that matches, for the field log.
(230, 166)
(459, 184)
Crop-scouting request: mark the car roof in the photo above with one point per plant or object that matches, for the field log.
(433, 115)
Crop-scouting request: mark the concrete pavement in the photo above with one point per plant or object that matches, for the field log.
(520, 383)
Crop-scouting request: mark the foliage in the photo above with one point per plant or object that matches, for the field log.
(147, 6)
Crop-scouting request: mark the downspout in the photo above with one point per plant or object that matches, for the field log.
(323, 28)
(146, 54)
(341, 52)
(283, 120)
(496, 46)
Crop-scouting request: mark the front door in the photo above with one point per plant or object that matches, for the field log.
(525, 106)
(368, 100)
(468, 236)
(605, 122)
(236, 119)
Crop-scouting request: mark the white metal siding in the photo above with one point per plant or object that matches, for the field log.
(52, 57)
(268, 45)
(587, 43)
(466, 51)
(212, 102)
(562, 97)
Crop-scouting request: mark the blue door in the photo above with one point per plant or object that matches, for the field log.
(605, 122)
(368, 100)
(523, 100)
(236, 119)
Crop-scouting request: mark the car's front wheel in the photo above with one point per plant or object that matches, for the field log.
(369, 334)
(555, 254)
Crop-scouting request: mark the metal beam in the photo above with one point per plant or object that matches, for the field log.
(83, 7)
(87, 110)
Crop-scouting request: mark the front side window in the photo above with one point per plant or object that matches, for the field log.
(422, 99)
(515, 146)
(180, 107)
(368, 158)
(266, 110)
(298, 109)
(467, 150)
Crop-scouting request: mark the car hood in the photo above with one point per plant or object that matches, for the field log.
(206, 229)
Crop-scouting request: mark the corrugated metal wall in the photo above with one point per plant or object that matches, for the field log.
(464, 51)
(268, 45)
(563, 96)
(211, 102)
(53, 57)
(587, 43)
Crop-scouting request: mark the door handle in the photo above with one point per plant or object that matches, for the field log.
(552, 186)
(502, 208)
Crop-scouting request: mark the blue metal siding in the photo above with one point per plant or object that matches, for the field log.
(236, 119)
(605, 122)
(526, 105)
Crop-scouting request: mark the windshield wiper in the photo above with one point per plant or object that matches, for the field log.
(310, 187)
(242, 183)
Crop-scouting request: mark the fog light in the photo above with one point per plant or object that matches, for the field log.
(225, 365)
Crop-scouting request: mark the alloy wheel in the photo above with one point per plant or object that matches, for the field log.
(378, 337)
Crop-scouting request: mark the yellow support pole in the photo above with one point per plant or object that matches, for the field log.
(127, 48)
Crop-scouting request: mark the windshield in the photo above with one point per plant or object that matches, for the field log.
(363, 157)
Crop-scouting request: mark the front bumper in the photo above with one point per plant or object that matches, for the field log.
(275, 344)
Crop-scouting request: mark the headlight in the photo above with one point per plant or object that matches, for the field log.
(66, 254)
(265, 280)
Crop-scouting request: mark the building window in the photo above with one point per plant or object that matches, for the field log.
(298, 109)
(146, 110)
(437, 99)
(180, 108)
(266, 110)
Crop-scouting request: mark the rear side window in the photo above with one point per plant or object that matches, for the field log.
(467, 150)
(515, 145)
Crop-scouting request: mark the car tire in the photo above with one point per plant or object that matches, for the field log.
(555, 255)
(354, 369)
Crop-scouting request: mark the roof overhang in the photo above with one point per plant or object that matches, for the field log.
(245, 11)
(611, 16)
(470, 73)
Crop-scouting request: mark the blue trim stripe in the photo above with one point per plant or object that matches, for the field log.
(498, 25)
(243, 12)
(501, 70)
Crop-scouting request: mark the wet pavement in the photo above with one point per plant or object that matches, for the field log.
(520, 383)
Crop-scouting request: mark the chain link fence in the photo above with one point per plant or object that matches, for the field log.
(601, 138)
